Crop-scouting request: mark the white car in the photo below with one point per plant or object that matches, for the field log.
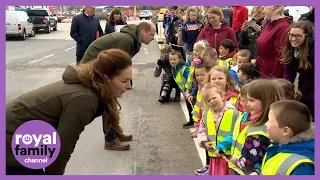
(145, 14)
(297, 11)
(18, 24)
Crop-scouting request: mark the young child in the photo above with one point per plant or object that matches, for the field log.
(201, 74)
(290, 127)
(221, 77)
(217, 123)
(180, 72)
(226, 50)
(250, 138)
(241, 57)
(167, 81)
(191, 87)
(246, 73)
(288, 89)
(191, 30)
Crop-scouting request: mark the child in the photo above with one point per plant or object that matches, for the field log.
(226, 50)
(180, 72)
(288, 89)
(201, 74)
(241, 57)
(167, 81)
(191, 30)
(217, 123)
(221, 77)
(250, 138)
(247, 72)
(191, 88)
(290, 127)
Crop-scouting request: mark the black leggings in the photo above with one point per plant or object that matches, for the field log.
(207, 158)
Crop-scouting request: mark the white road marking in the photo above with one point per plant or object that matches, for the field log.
(70, 48)
(41, 59)
(201, 151)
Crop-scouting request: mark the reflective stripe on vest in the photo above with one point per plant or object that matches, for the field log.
(190, 78)
(225, 129)
(283, 163)
(239, 138)
(196, 107)
(180, 80)
(224, 64)
(235, 101)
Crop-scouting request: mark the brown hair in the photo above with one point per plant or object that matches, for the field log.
(144, 25)
(288, 89)
(292, 114)
(113, 12)
(176, 53)
(288, 50)
(250, 70)
(166, 49)
(230, 82)
(267, 92)
(209, 88)
(257, 11)
(243, 53)
(228, 44)
(111, 63)
(209, 51)
(244, 90)
(193, 9)
(214, 10)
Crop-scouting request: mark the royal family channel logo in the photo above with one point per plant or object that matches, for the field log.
(35, 144)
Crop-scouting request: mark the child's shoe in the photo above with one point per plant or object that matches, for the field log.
(203, 171)
(161, 99)
(194, 134)
(189, 124)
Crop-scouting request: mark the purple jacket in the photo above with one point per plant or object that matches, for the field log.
(306, 77)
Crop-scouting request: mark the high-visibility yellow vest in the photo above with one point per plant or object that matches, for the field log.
(225, 129)
(239, 138)
(180, 80)
(224, 64)
(190, 79)
(283, 163)
(196, 108)
(235, 101)
(229, 61)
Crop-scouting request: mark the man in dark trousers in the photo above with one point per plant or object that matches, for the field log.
(128, 39)
(85, 28)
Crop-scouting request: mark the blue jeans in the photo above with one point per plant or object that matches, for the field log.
(23, 171)
(110, 135)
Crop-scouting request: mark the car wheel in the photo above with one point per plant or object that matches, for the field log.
(24, 35)
(55, 27)
(33, 32)
(48, 29)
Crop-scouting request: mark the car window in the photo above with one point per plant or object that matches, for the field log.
(38, 13)
(10, 17)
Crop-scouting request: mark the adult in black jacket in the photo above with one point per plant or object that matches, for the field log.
(84, 30)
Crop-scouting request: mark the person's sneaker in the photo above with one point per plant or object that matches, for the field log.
(188, 124)
(202, 171)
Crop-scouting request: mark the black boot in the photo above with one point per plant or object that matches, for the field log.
(162, 99)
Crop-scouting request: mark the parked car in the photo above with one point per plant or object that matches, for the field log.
(18, 24)
(43, 19)
(145, 14)
(296, 11)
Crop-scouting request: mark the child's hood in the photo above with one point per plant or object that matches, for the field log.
(233, 93)
(302, 143)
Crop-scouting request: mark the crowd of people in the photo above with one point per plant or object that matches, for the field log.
(237, 79)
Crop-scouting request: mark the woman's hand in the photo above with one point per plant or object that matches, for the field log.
(256, 27)
(253, 61)
(244, 27)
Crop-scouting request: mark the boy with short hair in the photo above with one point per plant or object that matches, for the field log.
(226, 49)
(292, 153)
